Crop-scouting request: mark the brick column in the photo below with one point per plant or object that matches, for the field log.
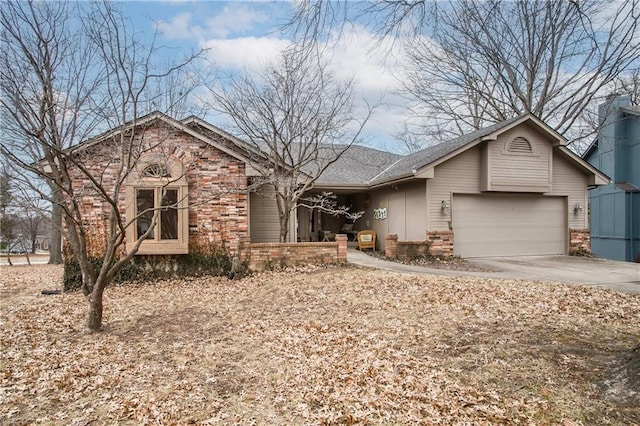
(579, 240)
(341, 239)
(391, 247)
(440, 243)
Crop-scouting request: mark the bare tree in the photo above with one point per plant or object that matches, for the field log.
(66, 95)
(476, 63)
(48, 77)
(485, 62)
(58, 84)
(296, 118)
(7, 219)
(629, 84)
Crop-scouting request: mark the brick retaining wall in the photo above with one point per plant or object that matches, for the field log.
(405, 250)
(261, 256)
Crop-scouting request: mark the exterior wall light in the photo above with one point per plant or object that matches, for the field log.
(577, 209)
(444, 206)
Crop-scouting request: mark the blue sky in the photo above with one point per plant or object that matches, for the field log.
(245, 35)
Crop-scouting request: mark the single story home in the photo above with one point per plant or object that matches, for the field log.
(510, 189)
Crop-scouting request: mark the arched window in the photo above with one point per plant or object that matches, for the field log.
(158, 205)
(520, 145)
(156, 171)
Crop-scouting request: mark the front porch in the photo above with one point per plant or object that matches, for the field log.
(318, 226)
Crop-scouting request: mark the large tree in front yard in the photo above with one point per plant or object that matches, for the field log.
(52, 98)
(299, 115)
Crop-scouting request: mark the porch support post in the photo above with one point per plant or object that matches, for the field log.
(341, 239)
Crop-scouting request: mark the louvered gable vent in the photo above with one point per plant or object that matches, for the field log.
(520, 144)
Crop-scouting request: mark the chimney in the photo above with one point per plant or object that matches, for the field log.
(612, 102)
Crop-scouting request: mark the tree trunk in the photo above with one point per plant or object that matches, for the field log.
(284, 228)
(55, 246)
(94, 317)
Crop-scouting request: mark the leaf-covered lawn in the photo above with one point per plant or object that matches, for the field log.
(314, 346)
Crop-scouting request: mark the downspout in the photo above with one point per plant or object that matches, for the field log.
(631, 239)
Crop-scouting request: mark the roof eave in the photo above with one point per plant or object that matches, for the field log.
(393, 181)
(560, 140)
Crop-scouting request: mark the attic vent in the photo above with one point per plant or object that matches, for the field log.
(156, 171)
(520, 144)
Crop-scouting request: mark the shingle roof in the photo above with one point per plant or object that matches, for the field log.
(405, 166)
(357, 166)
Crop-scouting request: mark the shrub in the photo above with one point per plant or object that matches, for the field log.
(214, 262)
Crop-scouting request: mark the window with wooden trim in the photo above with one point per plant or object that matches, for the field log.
(520, 145)
(157, 204)
(163, 203)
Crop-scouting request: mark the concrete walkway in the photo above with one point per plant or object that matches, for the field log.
(617, 276)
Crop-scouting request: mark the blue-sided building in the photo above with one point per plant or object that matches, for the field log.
(615, 208)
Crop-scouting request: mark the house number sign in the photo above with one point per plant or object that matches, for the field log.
(380, 214)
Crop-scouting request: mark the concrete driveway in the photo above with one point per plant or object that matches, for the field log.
(616, 276)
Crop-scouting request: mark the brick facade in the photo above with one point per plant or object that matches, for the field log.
(579, 240)
(391, 246)
(218, 207)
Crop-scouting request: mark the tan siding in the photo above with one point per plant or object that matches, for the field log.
(519, 172)
(380, 199)
(416, 219)
(264, 226)
(461, 174)
(571, 182)
(406, 210)
(397, 214)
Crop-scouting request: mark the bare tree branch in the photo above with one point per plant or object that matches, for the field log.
(59, 86)
(297, 114)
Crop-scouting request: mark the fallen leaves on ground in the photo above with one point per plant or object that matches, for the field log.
(313, 346)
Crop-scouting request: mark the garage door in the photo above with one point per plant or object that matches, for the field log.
(491, 225)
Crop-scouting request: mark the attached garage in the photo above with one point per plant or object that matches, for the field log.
(508, 225)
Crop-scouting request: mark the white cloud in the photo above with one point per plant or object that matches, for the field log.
(238, 41)
(235, 18)
(249, 54)
(180, 27)
(361, 55)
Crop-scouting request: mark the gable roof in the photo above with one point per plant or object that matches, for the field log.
(590, 150)
(225, 138)
(226, 143)
(409, 165)
(359, 166)
(372, 168)
(633, 110)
